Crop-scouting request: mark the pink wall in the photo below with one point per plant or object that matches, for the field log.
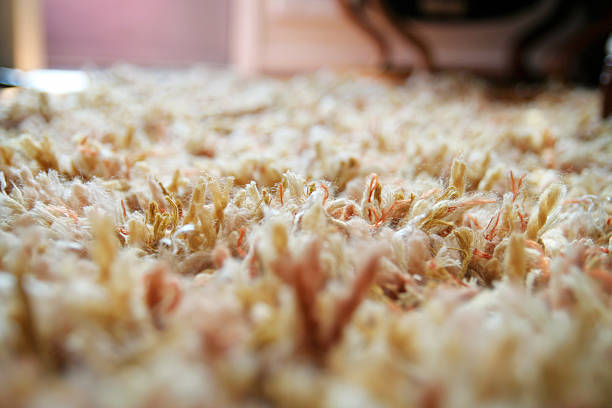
(151, 32)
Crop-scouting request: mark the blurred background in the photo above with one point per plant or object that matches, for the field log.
(503, 39)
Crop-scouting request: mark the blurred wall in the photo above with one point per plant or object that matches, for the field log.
(150, 32)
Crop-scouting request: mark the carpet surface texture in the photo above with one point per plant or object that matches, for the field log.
(197, 239)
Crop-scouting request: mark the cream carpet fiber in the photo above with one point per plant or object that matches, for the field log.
(194, 239)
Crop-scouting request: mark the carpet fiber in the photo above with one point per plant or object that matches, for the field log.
(196, 239)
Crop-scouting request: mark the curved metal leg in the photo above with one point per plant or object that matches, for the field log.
(355, 10)
(561, 11)
(407, 34)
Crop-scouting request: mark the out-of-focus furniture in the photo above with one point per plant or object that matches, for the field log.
(509, 39)
(283, 36)
(22, 42)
